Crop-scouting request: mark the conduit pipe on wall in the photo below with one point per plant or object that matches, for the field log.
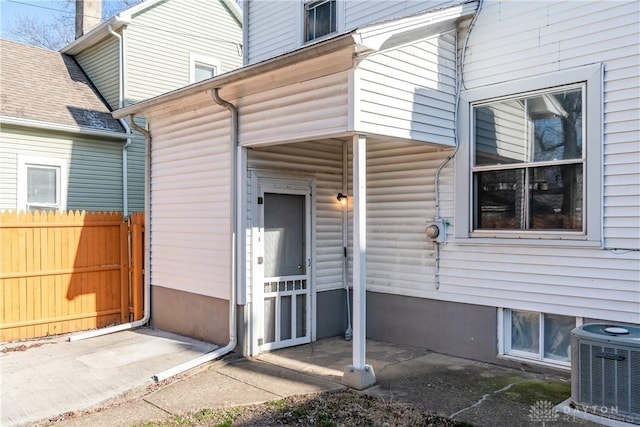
(234, 237)
(147, 257)
(459, 87)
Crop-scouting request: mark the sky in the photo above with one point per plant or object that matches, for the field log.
(42, 9)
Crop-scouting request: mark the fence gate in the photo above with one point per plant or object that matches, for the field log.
(64, 272)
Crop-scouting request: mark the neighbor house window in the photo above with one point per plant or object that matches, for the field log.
(202, 67)
(41, 184)
(320, 18)
(529, 159)
(528, 162)
(538, 336)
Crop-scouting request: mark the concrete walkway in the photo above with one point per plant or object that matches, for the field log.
(64, 389)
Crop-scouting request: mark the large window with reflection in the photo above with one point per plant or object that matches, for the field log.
(528, 161)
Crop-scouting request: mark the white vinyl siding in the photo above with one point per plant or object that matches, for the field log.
(272, 28)
(135, 173)
(400, 204)
(409, 92)
(322, 160)
(94, 167)
(159, 41)
(575, 281)
(306, 110)
(275, 27)
(101, 64)
(190, 210)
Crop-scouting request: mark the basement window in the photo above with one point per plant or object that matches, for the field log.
(538, 336)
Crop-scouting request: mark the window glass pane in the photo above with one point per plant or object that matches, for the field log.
(501, 133)
(556, 197)
(500, 199)
(203, 72)
(525, 331)
(543, 127)
(557, 336)
(269, 319)
(41, 185)
(557, 124)
(320, 19)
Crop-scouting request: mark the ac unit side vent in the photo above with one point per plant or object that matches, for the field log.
(606, 374)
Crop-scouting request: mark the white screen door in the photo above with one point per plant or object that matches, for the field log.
(285, 285)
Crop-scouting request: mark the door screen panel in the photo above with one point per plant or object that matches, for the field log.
(285, 286)
(284, 231)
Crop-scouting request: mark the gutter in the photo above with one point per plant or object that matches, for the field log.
(37, 124)
(147, 252)
(233, 340)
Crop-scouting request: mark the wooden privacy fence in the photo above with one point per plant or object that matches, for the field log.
(64, 272)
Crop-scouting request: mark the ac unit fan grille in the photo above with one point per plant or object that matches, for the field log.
(610, 378)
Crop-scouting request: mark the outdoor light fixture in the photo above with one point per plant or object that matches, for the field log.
(342, 198)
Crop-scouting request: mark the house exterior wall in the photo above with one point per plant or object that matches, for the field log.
(275, 27)
(101, 64)
(160, 39)
(158, 44)
(305, 110)
(94, 166)
(571, 279)
(409, 91)
(190, 222)
(578, 280)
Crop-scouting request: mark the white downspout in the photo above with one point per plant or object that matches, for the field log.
(147, 252)
(125, 147)
(234, 237)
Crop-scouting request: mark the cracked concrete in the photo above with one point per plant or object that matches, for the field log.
(467, 391)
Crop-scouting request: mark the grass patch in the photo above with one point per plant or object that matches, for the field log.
(532, 391)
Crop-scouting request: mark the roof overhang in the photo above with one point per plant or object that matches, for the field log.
(49, 126)
(362, 41)
(313, 51)
(397, 32)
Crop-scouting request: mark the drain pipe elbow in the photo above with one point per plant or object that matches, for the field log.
(233, 339)
(147, 260)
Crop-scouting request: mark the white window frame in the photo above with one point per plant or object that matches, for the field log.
(504, 340)
(592, 77)
(24, 162)
(340, 22)
(196, 58)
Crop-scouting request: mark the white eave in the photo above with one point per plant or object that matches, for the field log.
(388, 34)
(124, 18)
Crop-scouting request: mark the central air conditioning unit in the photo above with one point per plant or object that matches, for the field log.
(605, 370)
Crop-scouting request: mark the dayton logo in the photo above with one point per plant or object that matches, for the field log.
(542, 411)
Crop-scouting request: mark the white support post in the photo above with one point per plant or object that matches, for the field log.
(359, 375)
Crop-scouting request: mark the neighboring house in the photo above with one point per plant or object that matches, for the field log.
(149, 49)
(510, 126)
(59, 145)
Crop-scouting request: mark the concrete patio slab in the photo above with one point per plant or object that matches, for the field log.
(482, 394)
(45, 378)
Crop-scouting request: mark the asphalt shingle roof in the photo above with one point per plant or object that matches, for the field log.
(46, 86)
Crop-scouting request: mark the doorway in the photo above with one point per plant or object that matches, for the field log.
(282, 284)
